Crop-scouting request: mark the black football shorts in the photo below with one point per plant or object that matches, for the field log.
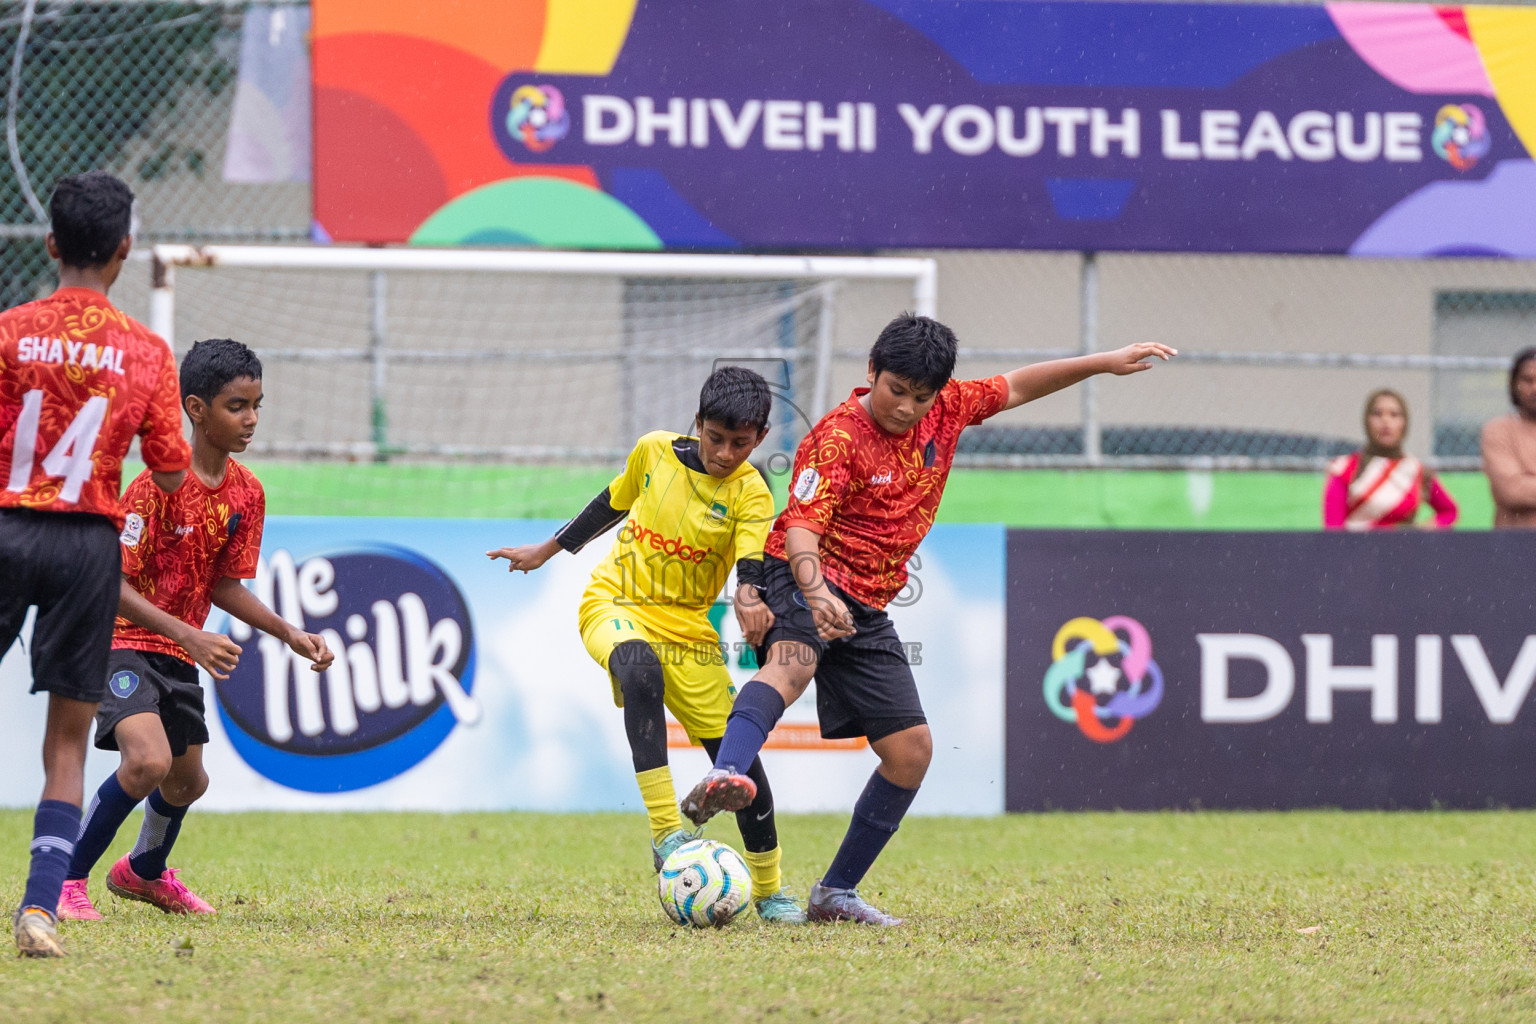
(148, 682)
(864, 686)
(69, 565)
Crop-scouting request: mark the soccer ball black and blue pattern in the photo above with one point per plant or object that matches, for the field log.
(705, 884)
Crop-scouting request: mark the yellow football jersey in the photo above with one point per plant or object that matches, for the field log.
(683, 533)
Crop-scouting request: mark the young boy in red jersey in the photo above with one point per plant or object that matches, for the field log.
(78, 379)
(181, 553)
(868, 479)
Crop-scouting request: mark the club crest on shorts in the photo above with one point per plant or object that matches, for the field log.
(122, 684)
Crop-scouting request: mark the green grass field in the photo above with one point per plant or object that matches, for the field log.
(1316, 916)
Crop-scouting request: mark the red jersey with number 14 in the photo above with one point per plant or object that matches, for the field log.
(177, 547)
(78, 379)
(873, 495)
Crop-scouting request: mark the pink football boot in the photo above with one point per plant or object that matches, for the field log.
(74, 904)
(164, 892)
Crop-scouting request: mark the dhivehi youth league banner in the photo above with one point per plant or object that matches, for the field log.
(460, 686)
(1366, 128)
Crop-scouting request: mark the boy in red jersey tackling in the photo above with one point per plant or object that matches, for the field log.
(78, 379)
(181, 552)
(868, 479)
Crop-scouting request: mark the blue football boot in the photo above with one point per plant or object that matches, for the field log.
(669, 842)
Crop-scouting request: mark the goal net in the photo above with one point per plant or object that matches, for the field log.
(510, 383)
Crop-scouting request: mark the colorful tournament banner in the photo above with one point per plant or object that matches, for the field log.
(1364, 128)
(1253, 670)
(460, 686)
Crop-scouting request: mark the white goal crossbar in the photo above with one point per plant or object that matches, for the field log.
(922, 273)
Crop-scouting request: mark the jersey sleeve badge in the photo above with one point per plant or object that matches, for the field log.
(806, 483)
(133, 530)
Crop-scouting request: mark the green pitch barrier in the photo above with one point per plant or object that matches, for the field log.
(1075, 499)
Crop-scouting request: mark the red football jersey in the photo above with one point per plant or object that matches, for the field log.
(79, 378)
(873, 495)
(177, 546)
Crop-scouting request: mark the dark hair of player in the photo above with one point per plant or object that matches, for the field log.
(91, 214)
(735, 397)
(1522, 357)
(214, 363)
(917, 348)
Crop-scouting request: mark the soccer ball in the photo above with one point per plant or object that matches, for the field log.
(704, 883)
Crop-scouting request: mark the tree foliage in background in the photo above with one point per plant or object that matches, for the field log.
(93, 78)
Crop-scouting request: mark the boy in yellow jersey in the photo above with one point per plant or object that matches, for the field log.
(692, 508)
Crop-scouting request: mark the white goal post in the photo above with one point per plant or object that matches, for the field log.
(378, 356)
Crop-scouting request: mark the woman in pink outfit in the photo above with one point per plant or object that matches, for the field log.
(1379, 487)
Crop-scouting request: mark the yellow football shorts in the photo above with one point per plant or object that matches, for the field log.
(698, 689)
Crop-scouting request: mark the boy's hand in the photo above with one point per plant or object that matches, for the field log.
(1132, 358)
(833, 619)
(311, 646)
(752, 614)
(215, 652)
(525, 558)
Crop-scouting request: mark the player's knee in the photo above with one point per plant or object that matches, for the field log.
(635, 665)
(182, 789)
(789, 669)
(142, 772)
(908, 755)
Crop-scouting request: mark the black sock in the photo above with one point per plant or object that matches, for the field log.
(759, 831)
(876, 816)
(638, 672)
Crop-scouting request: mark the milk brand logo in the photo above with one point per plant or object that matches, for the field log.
(1102, 677)
(1460, 137)
(536, 117)
(401, 681)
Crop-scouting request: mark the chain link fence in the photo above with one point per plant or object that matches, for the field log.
(145, 90)
(1278, 353)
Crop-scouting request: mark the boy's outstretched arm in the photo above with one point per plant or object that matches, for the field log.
(215, 652)
(230, 594)
(526, 557)
(595, 520)
(1037, 380)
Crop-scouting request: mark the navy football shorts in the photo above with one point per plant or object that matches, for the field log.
(149, 682)
(864, 686)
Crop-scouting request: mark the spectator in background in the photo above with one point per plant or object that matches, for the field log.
(1379, 487)
(1509, 449)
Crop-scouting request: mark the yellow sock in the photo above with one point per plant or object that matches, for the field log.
(660, 802)
(765, 872)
